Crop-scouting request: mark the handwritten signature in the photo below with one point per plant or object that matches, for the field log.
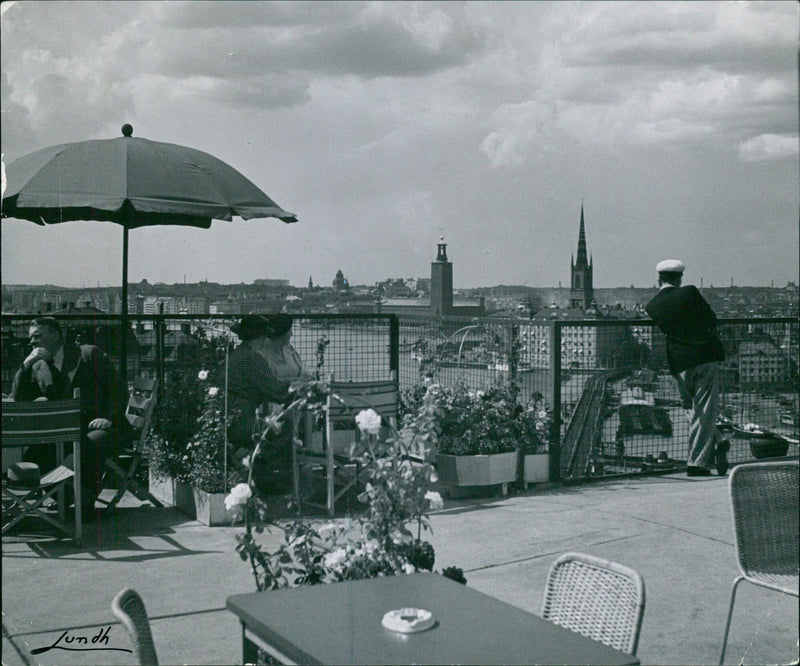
(100, 638)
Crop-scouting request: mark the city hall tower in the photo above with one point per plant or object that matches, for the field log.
(441, 282)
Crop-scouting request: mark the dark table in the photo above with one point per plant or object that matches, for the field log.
(340, 623)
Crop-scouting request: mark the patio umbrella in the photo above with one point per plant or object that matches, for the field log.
(132, 182)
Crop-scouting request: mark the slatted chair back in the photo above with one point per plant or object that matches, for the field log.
(141, 404)
(347, 399)
(43, 423)
(597, 598)
(766, 519)
(36, 423)
(129, 608)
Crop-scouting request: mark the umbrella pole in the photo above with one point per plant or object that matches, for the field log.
(123, 353)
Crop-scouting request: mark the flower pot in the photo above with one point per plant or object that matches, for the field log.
(768, 448)
(162, 488)
(209, 508)
(498, 468)
(535, 468)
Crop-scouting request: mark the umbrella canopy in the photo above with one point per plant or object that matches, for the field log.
(132, 182)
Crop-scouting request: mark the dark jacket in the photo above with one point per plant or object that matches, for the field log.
(251, 383)
(102, 394)
(690, 326)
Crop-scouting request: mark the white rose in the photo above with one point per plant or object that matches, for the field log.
(435, 499)
(542, 414)
(368, 420)
(409, 568)
(238, 496)
(202, 375)
(335, 558)
(212, 392)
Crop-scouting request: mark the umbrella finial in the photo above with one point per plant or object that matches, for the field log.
(127, 129)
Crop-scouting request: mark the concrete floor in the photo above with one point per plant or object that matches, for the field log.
(676, 531)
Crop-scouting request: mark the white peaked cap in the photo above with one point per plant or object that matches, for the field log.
(670, 266)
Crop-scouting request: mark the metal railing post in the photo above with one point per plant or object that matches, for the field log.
(555, 368)
(394, 345)
(159, 327)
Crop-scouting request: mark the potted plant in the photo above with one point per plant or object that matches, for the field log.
(171, 430)
(479, 434)
(534, 427)
(186, 449)
(206, 469)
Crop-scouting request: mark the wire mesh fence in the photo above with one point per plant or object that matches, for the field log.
(605, 383)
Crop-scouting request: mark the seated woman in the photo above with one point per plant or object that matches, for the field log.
(253, 382)
(282, 358)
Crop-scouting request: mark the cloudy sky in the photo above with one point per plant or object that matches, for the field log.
(384, 125)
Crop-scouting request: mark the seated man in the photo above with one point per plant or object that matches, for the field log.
(53, 370)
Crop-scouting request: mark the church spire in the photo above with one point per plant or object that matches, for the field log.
(582, 289)
(582, 260)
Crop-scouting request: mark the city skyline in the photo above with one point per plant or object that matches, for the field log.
(386, 125)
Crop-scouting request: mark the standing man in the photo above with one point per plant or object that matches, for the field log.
(53, 370)
(694, 355)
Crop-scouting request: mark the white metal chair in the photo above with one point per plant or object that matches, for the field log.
(129, 608)
(345, 401)
(764, 500)
(49, 422)
(597, 598)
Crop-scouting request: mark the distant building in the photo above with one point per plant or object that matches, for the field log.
(160, 305)
(272, 283)
(340, 282)
(441, 302)
(441, 282)
(225, 308)
(582, 289)
(762, 362)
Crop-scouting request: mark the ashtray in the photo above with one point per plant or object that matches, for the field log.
(408, 620)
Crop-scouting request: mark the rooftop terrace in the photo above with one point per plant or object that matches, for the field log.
(676, 531)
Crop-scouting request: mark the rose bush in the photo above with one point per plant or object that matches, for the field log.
(386, 539)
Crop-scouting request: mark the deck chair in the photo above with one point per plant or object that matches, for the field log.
(764, 500)
(45, 423)
(600, 599)
(334, 465)
(129, 608)
(120, 469)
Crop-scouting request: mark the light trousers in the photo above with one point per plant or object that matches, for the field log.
(699, 390)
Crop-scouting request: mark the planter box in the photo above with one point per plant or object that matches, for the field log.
(173, 493)
(535, 468)
(499, 468)
(209, 508)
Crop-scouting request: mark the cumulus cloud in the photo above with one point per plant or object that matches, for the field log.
(768, 147)
(654, 74)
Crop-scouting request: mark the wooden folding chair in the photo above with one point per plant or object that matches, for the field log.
(124, 465)
(28, 424)
(339, 471)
